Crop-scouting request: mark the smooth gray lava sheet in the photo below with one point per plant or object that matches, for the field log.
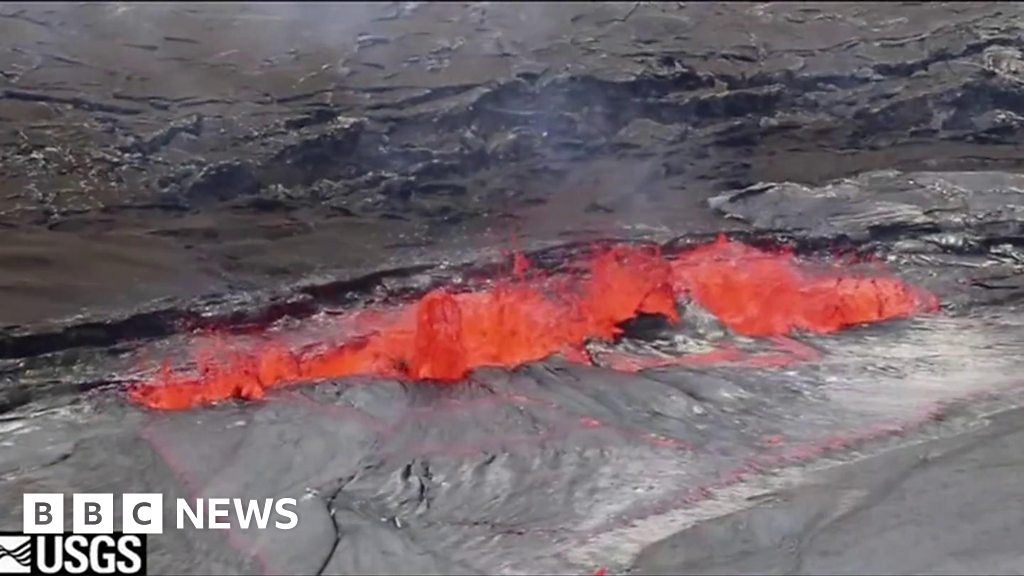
(888, 514)
(169, 170)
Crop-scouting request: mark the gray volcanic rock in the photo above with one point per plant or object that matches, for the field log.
(981, 206)
(888, 514)
(170, 169)
(224, 138)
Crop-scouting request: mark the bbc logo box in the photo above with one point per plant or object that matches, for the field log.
(92, 513)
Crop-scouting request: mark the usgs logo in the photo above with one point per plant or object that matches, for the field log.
(72, 553)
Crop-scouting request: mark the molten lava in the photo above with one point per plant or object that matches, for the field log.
(758, 293)
(445, 335)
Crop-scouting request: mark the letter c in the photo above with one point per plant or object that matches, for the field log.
(138, 518)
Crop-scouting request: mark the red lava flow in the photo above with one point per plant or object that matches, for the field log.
(530, 316)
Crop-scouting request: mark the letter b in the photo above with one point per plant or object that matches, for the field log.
(42, 514)
(92, 513)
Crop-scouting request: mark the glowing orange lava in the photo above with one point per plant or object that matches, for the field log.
(445, 334)
(758, 293)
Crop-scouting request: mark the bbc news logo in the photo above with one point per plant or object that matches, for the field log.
(92, 545)
(144, 513)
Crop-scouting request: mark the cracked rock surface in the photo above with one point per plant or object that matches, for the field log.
(173, 168)
(171, 151)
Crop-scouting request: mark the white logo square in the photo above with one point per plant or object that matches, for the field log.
(142, 513)
(42, 513)
(92, 513)
(15, 554)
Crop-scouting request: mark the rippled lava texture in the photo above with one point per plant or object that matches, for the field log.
(446, 334)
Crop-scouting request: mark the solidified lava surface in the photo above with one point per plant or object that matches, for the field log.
(315, 204)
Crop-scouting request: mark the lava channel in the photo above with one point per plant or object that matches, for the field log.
(532, 315)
